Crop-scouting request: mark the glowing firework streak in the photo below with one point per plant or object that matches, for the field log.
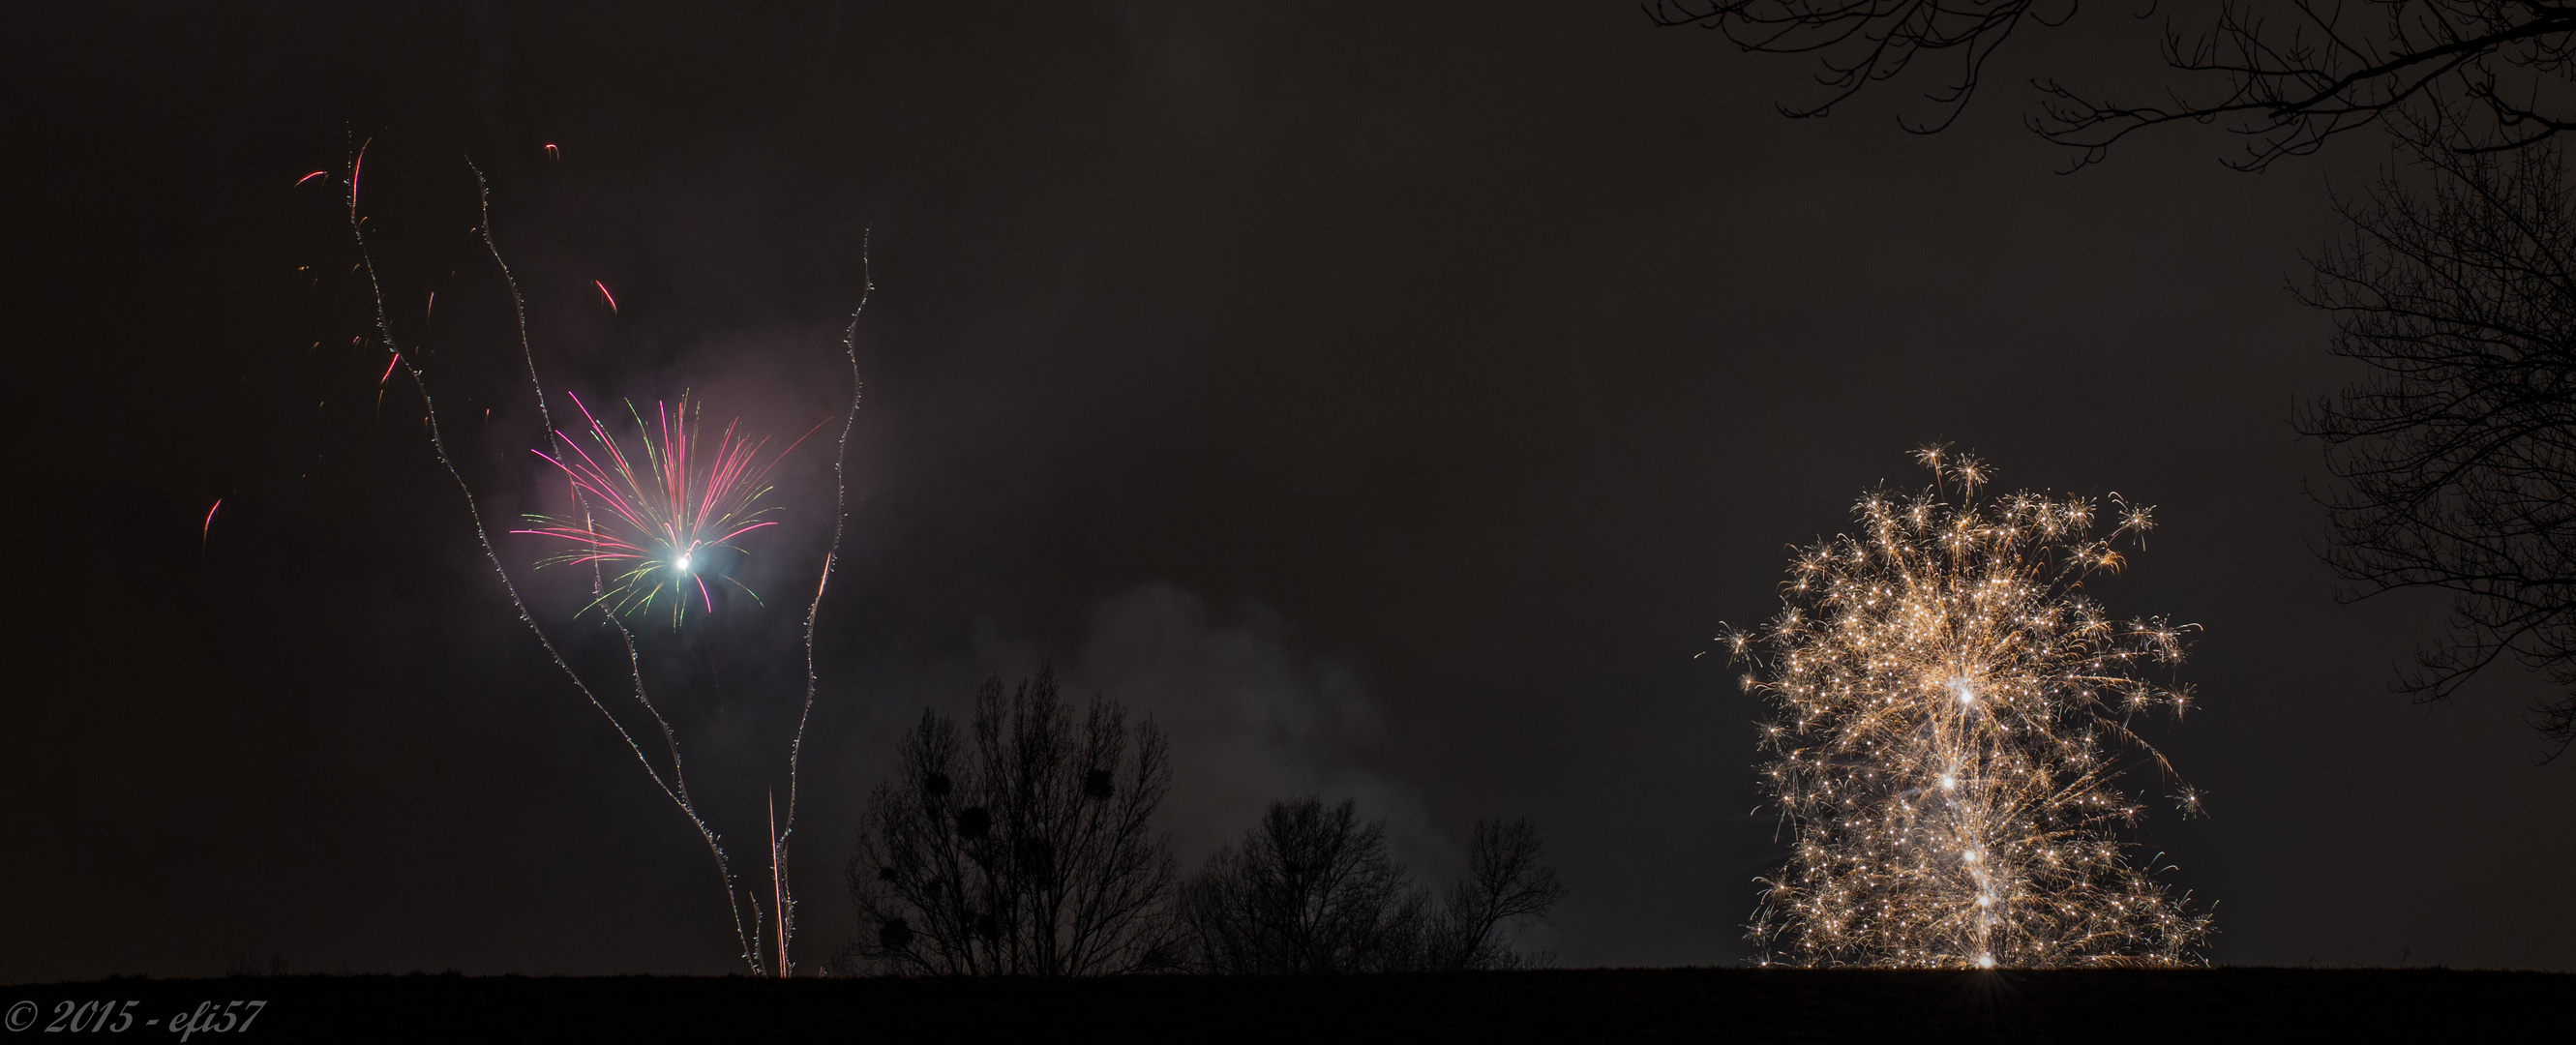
(207, 534)
(667, 525)
(310, 177)
(1942, 695)
(604, 295)
(831, 554)
(778, 881)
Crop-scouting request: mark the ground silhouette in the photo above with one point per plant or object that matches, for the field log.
(1573, 1005)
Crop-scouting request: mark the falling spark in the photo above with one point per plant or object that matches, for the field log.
(604, 295)
(552, 153)
(309, 177)
(432, 307)
(207, 533)
(356, 164)
(1946, 702)
(668, 525)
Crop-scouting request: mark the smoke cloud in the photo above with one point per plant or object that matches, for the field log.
(1252, 717)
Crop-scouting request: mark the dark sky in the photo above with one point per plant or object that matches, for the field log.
(1390, 401)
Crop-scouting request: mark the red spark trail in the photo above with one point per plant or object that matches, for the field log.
(310, 177)
(208, 533)
(356, 164)
(605, 295)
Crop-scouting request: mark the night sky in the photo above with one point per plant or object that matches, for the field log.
(1391, 402)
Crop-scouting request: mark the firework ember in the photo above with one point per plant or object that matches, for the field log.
(1949, 714)
(666, 527)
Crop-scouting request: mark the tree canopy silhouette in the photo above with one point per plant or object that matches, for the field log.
(2456, 456)
(1020, 848)
(1506, 883)
(1312, 889)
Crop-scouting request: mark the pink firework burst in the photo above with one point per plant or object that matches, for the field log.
(662, 528)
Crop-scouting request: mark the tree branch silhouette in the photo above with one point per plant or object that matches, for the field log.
(2455, 459)
(2460, 75)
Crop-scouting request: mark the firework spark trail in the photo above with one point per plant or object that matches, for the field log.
(438, 446)
(207, 535)
(778, 886)
(679, 791)
(1942, 693)
(831, 554)
(518, 304)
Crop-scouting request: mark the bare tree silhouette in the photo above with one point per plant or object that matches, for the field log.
(2456, 457)
(2458, 75)
(1505, 883)
(1312, 889)
(2462, 75)
(1860, 42)
(1023, 848)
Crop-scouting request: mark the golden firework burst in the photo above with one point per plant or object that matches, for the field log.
(1951, 720)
